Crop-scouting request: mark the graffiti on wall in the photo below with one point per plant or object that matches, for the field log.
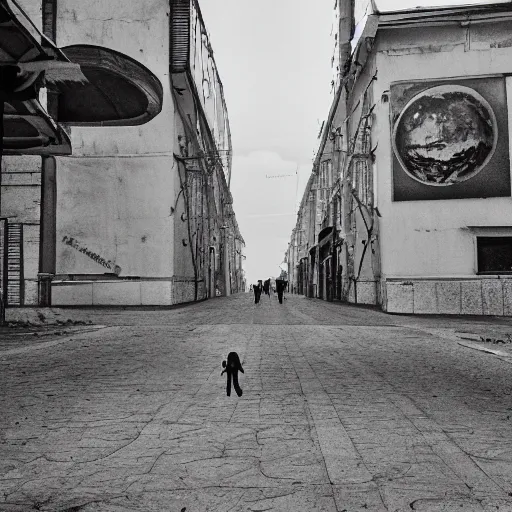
(75, 244)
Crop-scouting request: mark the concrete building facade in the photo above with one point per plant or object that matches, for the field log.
(422, 180)
(140, 212)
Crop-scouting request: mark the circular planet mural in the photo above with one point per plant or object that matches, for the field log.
(445, 135)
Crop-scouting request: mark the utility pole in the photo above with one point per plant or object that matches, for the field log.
(345, 33)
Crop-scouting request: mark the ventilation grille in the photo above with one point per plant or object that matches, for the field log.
(3, 258)
(180, 35)
(14, 264)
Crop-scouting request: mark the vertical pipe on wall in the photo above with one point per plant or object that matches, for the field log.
(49, 26)
(48, 222)
(48, 230)
(345, 31)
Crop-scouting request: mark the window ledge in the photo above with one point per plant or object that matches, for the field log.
(497, 273)
(490, 230)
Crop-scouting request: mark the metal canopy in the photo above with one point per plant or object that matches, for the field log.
(28, 130)
(113, 89)
(19, 40)
(28, 62)
(119, 90)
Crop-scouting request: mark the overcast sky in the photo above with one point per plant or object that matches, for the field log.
(274, 59)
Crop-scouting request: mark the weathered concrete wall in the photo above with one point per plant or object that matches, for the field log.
(183, 219)
(354, 229)
(116, 192)
(491, 295)
(183, 268)
(120, 210)
(118, 293)
(21, 203)
(428, 238)
(125, 293)
(431, 241)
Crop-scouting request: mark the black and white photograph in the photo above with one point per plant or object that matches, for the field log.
(256, 256)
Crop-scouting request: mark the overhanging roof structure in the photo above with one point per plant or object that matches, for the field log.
(24, 58)
(119, 90)
(28, 129)
(97, 86)
(403, 12)
(385, 6)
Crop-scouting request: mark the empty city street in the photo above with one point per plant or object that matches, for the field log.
(344, 408)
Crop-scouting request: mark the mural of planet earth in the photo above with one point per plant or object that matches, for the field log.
(445, 135)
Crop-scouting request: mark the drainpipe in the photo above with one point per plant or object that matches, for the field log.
(227, 291)
(47, 247)
(345, 32)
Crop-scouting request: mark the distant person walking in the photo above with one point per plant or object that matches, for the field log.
(257, 288)
(280, 285)
(266, 287)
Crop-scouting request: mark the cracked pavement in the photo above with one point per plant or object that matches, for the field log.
(344, 409)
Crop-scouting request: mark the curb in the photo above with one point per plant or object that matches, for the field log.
(452, 336)
(505, 356)
(52, 343)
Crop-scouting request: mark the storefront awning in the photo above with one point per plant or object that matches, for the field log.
(119, 90)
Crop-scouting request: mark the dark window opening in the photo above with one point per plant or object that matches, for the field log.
(494, 254)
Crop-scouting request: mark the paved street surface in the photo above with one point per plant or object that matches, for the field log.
(343, 409)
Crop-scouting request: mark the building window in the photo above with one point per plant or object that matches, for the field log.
(494, 254)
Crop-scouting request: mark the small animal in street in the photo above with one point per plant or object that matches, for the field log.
(231, 369)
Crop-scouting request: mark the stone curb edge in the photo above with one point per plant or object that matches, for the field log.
(46, 344)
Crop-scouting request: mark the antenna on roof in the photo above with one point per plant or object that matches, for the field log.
(321, 129)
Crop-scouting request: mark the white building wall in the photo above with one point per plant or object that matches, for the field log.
(116, 191)
(428, 239)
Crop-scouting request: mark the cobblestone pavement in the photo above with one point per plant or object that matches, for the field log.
(344, 409)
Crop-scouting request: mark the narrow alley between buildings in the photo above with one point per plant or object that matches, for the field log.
(343, 409)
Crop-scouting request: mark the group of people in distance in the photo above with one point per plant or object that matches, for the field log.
(267, 288)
